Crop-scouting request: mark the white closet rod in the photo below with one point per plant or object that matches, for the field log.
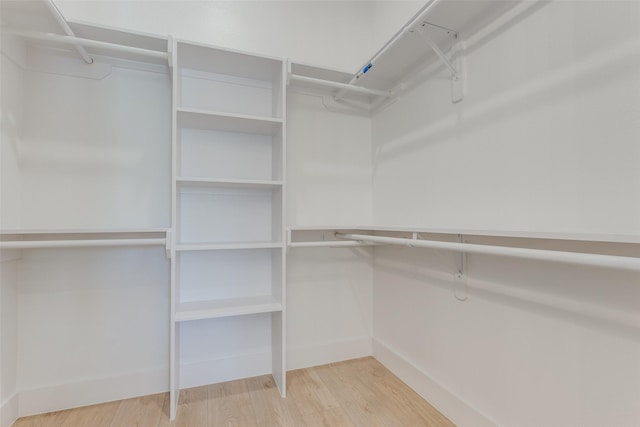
(329, 244)
(57, 15)
(35, 244)
(596, 260)
(417, 19)
(75, 41)
(337, 85)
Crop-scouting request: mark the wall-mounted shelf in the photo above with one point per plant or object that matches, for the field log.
(199, 310)
(228, 183)
(227, 122)
(226, 246)
(431, 35)
(42, 24)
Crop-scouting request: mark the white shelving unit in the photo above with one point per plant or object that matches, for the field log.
(228, 201)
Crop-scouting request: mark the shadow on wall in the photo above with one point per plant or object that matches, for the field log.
(587, 75)
(593, 297)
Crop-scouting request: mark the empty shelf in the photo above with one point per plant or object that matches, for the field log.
(228, 183)
(198, 310)
(212, 120)
(227, 246)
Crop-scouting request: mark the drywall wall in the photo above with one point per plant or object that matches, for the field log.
(109, 125)
(94, 154)
(335, 34)
(328, 162)
(10, 277)
(328, 182)
(13, 60)
(12, 86)
(92, 326)
(545, 140)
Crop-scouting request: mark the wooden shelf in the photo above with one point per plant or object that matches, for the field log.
(184, 247)
(226, 122)
(199, 310)
(228, 183)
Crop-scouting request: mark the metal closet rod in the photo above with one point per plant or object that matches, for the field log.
(596, 260)
(341, 86)
(75, 41)
(57, 15)
(37, 244)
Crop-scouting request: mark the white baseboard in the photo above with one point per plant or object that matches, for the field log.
(299, 357)
(73, 395)
(225, 369)
(452, 406)
(9, 411)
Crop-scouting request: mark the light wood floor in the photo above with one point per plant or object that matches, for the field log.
(358, 392)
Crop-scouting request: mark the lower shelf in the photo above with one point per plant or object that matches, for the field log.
(199, 310)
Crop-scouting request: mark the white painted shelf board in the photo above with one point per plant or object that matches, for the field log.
(125, 38)
(411, 52)
(199, 310)
(228, 183)
(200, 56)
(586, 237)
(184, 247)
(217, 121)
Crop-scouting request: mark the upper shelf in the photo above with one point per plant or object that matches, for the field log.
(202, 57)
(427, 37)
(584, 237)
(42, 25)
(441, 20)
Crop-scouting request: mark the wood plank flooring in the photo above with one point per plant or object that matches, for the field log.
(359, 393)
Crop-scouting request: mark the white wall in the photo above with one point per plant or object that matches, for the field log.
(335, 34)
(92, 326)
(96, 148)
(329, 291)
(12, 86)
(11, 63)
(545, 140)
(86, 326)
(328, 163)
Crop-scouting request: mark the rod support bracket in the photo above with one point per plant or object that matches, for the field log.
(461, 280)
(168, 245)
(455, 63)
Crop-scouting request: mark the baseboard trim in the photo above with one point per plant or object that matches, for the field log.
(299, 357)
(452, 406)
(9, 411)
(214, 371)
(83, 393)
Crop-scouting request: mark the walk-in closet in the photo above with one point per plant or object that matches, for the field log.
(320, 213)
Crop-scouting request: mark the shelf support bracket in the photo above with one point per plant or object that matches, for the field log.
(461, 282)
(455, 65)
